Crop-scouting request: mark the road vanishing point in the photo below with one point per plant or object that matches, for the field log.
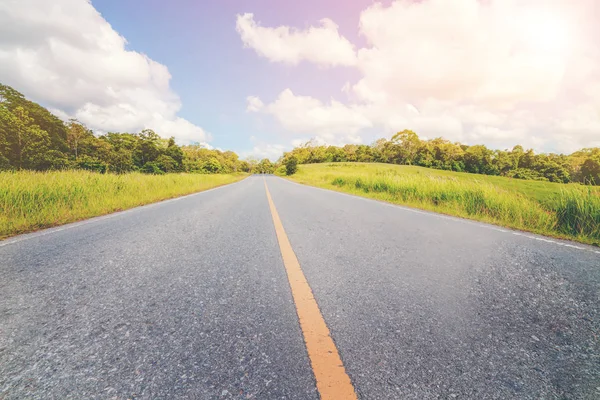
(267, 289)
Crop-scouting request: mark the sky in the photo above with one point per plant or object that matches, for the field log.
(261, 76)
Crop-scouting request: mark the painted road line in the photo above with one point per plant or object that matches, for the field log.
(330, 374)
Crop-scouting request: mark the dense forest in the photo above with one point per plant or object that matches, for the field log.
(33, 138)
(407, 148)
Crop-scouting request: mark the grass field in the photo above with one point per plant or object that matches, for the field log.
(35, 200)
(565, 211)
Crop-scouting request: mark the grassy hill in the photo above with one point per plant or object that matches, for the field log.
(570, 211)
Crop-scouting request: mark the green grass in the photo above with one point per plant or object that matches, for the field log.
(36, 200)
(566, 211)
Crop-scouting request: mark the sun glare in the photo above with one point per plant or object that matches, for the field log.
(546, 32)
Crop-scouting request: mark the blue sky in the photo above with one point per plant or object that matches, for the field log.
(261, 76)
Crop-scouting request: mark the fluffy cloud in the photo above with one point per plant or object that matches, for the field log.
(307, 115)
(265, 150)
(254, 104)
(494, 72)
(321, 45)
(65, 55)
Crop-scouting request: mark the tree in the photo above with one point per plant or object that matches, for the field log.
(91, 164)
(151, 168)
(166, 163)
(478, 160)
(212, 166)
(75, 134)
(291, 165)
(333, 154)
(265, 166)
(120, 160)
(590, 170)
(175, 153)
(25, 142)
(52, 125)
(408, 143)
(147, 147)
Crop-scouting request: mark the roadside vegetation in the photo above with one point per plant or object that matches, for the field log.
(32, 200)
(406, 148)
(569, 211)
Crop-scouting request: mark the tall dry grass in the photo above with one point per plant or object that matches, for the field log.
(34, 200)
(574, 215)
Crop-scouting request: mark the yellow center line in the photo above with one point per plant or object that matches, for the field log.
(331, 377)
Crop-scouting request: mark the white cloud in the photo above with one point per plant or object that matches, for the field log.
(64, 54)
(493, 72)
(497, 52)
(307, 115)
(254, 104)
(265, 150)
(321, 45)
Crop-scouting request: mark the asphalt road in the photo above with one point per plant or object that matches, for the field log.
(190, 299)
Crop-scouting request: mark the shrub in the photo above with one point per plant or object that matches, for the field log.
(152, 168)
(281, 171)
(91, 164)
(291, 165)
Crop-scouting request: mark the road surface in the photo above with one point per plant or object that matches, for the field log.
(191, 299)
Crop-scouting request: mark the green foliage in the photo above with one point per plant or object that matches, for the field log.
(590, 170)
(166, 163)
(24, 143)
(212, 166)
(523, 173)
(91, 164)
(265, 166)
(569, 211)
(46, 121)
(291, 165)
(54, 160)
(197, 158)
(152, 167)
(4, 163)
(280, 171)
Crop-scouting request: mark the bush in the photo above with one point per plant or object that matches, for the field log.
(280, 171)
(166, 163)
(524, 173)
(56, 160)
(211, 166)
(291, 165)
(152, 168)
(91, 164)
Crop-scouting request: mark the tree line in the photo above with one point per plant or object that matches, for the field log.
(31, 137)
(407, 148)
